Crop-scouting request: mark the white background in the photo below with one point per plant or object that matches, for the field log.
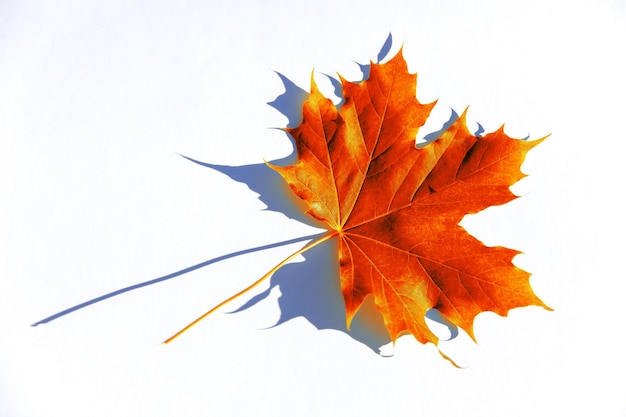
(98, 98)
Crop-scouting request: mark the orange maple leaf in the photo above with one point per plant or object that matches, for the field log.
(395, 207)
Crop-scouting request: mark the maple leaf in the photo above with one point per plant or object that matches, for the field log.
(395, 207)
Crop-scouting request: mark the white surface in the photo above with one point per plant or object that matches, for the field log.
(98, 98)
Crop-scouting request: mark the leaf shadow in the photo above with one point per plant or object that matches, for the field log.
(309, 289)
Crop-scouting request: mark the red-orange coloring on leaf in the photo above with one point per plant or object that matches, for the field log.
(395, 208)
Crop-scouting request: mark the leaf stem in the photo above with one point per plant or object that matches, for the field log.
(254, 284)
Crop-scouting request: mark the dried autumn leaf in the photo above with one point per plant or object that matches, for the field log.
(395, 208)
